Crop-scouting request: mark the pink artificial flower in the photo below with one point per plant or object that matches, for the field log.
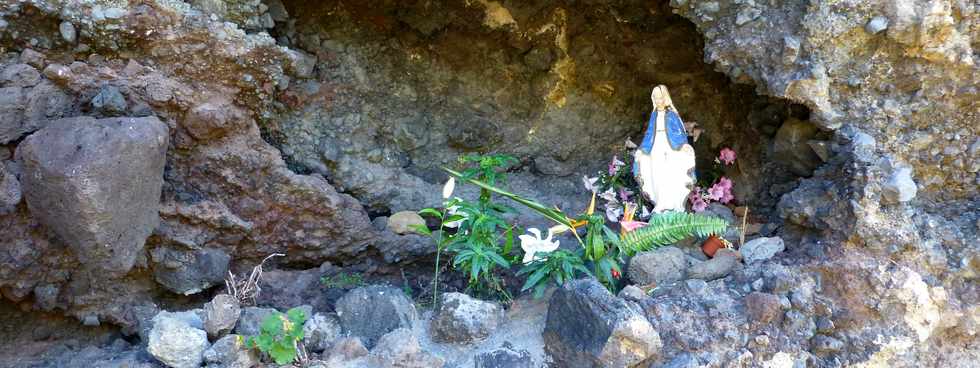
(695, 195)
(716, 192)
(728, 197)
(614, 165)
(624, 195)
(725, 183)
(727, 155)
(631, 225)
(699, 205)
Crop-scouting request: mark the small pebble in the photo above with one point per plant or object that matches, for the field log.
(67, 32)
(876, 25)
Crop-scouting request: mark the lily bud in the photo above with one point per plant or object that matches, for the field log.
(557, 229)
(447, 190)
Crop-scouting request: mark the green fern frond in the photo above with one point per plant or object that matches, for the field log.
(671, 227)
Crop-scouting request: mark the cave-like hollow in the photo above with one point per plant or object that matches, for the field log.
(400, 88)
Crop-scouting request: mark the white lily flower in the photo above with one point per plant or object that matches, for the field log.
(535, 244)
(447, 190)
(452, 210)
(558, 229)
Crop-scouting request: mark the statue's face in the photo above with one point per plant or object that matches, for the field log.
(660, 97)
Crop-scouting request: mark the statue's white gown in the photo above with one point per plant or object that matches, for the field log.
(665, 175)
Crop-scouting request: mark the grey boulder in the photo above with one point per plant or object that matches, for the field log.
(320, 332)
(230, 352)
(715, 268)
(20, 75)
(175, 343)
(96, 184)
(462, 319)
(589, 327)
(401, 349)
(251, 319)
(659, 266)
(187, 273)
(221, 314)
(504, 357)
(372, 311)
(344, 350)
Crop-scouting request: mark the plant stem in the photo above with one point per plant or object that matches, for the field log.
(435, 278)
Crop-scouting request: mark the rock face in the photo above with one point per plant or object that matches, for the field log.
(177, 344)
(78, 185)
(372, 311)
(292, 124)
(589, 327)
(462, 319)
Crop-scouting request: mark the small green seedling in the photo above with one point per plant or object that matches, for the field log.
(279, 335)
(343, 280)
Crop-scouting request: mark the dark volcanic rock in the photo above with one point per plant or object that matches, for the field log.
(10, 192)
(372, 311)
(109, 101)
(189, 272)
(504, 357)
(589, 327)
(96, 184)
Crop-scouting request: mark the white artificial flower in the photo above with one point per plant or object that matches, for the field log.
(534, 244)
(447, 190)
(614, 212)
(609, 195)
(590, 183)
(630, 144)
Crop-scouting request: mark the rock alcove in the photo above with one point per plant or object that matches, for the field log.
(398, 89)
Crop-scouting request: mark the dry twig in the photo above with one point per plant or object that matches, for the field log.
(247, 290)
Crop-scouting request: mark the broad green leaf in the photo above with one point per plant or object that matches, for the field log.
(421, 229)
(431, 212)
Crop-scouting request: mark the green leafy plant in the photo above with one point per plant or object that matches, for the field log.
(280, 336)
(555, 267)
(669, 228)
(482, 240)
(343, 280)
(482, 243)
(602, 246)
